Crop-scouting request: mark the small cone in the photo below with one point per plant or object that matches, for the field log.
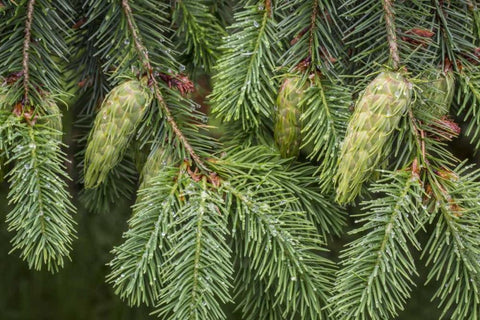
(438, 94)
(114, 125)
(154, 164)
(376, 115)
(287, 130)
(53, 115)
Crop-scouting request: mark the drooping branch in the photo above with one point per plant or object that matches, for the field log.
(391, 32)
(26, 48)
(143, 55)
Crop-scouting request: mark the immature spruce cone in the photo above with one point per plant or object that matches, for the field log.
(287, 130)
(438, 94)
(115, 123)
(376, 115)
(155, 162)
(53, 114)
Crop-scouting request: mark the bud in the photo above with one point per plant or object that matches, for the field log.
(438, 94)
(115, 123)
(375, 117)
(287, 130)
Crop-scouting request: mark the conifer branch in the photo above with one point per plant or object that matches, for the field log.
(137, 267)
(143, 55)
(244, 86)
(376, 277)
(26, 48)
(311, 28)
(199, 31)
(391, 32)
(41, 213)
(453, 247)
(198, 269)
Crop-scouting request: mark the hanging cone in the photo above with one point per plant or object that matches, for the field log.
(438, 94)
(287, 130)
(155, 162)
(53, 115)
(114, 125)
(376, 115)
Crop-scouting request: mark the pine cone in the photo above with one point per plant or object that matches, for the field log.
(53, 114)
(115, 123)
(376, 115)
(287, 130)
(155, 162)
(438, 94)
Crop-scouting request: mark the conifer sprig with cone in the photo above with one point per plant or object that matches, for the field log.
(323, 106)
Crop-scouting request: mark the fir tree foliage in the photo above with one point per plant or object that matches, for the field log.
(33, 57)
(245, 222)
(316, 52)
(200, 32)
(378, 268)
(41, 206)
(453, 247)
(252, 49)
(265, 226)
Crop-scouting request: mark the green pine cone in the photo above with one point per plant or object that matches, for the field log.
(115, 123)
(438, 93)
(288, 127)
(376, 116)
(155, 162)
(53, 114)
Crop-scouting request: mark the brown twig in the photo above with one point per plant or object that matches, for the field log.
(420, 139)
(143, 54)
(391, 33)
(311, 28)
(26, 48)
(268, 7)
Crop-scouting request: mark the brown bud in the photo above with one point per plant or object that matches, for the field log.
(447, 174)
(447, 129)
(417, 36)
(180, 82)
(79, 23)
(13, 77)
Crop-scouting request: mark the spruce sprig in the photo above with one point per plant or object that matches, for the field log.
(244, 87)
(274, 237)
(32, 52)
(198, 271)
(377, 271)
(452, 251)
(199, 32)
(41, 214)
(137, 267)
